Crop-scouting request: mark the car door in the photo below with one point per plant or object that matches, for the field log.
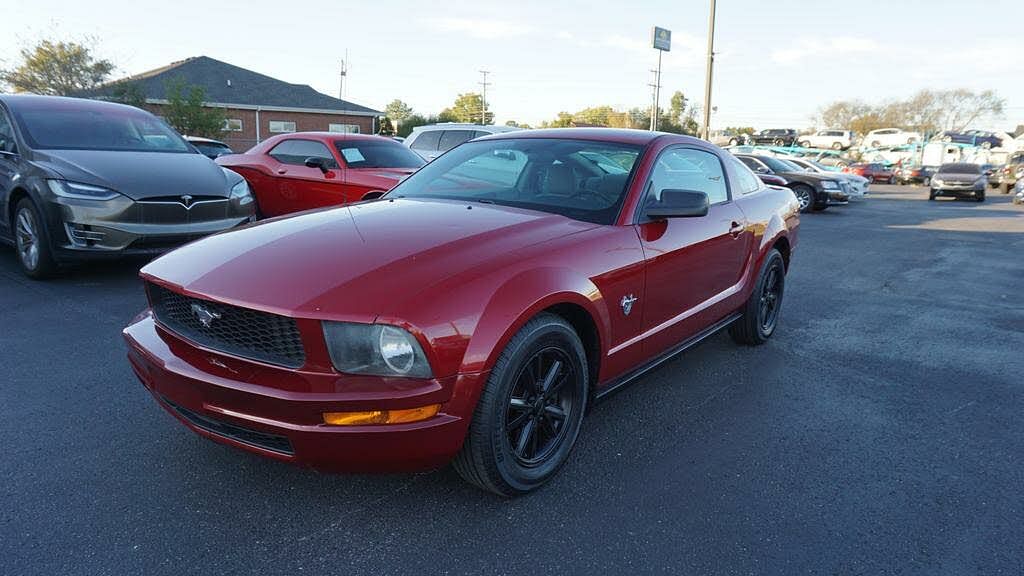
(691, 264)
(300, 187)
(8, 165)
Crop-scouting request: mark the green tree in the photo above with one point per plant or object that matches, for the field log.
(57, 69)
(398, 111)
(468, 108)
(186, 112)
(129, 93)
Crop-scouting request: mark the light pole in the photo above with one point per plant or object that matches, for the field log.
(706, 129)
(661, 40)
(483, 97)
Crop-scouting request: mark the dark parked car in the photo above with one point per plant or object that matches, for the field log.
(981, 138)
(474, 312)
(82, 178)
(959, 179)
(212, 149)
(813, 191)
(775, 137)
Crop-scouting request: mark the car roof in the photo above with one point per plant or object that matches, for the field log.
(37, 102)
(465, 125)
(332, 136)
(618, 135)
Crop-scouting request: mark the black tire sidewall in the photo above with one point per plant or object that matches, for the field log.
(774, 259)
(517, 478)
(45, 266)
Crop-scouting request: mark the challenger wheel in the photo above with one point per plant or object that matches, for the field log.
(530, 412)
(761, 312)
(31, 242)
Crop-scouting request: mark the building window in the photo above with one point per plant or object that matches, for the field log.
(280, 126)
(232, 125)
(343, 128)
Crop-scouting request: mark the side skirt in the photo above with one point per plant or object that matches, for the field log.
(631, 376)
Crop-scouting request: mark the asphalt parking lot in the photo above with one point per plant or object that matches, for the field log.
(879, 432)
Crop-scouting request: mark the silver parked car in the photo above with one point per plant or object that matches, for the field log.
(435, 139)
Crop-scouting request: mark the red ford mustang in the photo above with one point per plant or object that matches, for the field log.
(471, 314)
(294, 172)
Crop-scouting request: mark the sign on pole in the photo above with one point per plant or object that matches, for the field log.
(661, 39)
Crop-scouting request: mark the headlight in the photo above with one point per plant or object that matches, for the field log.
(78, 191)
(375, 349)
(830, 185)
(241, 193)
(936, 181)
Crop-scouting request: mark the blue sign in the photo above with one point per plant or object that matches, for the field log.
(661, 39)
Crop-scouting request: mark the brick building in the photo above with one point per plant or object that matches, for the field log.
(256, 106)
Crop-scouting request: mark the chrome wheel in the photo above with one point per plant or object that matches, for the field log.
(771, 297)
(540, 406)
(803, 196)
(26, 233)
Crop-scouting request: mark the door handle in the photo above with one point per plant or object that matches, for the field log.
(735, 229)
(282, 171)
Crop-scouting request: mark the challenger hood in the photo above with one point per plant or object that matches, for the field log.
(353, 262)
(138, 175)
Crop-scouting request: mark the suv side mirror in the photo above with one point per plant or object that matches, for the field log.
(762, 170)
(316, 162)
(678, 204)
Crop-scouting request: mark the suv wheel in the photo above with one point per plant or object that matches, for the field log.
(805, 144)
(761, 312)
(837, 145)
(805, 196)
(31, 242)
(779, 142)
(529, 415)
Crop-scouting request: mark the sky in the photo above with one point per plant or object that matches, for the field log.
(776, 62)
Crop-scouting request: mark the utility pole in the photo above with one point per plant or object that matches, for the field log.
(706, 129)
(483, 97)
(655, 82)
(344, 72)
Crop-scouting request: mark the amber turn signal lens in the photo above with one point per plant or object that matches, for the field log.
(381, 416)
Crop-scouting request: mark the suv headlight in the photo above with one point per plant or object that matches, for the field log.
(79, 191)
(240, 192)
(936, 181)
(830, 185)
(375, 349)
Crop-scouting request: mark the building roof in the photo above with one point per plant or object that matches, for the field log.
(227, 84)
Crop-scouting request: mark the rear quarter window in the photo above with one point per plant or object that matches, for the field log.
(427, 140)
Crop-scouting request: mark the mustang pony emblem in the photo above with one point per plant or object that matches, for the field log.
(627, 304)
(205, 317)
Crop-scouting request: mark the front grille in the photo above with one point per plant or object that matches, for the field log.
(271, 442)
(230, 329)
(172, 209)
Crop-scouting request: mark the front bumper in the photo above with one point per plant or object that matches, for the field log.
(277, 413)
(836, 197)
(969, 190)
(85, 228)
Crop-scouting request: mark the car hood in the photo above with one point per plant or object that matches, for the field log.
(353, 262)
(138, 175)
(957, 176)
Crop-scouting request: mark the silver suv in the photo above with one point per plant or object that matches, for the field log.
(436, 139)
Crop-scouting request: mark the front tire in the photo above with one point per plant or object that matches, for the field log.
(805, 144)
(761, 312)
(805, 196)
(931, 194)
(530, 412)
(31, 243)
(979, 196)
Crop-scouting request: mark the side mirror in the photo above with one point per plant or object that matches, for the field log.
(678, 204)
(373, 194)
(316, 162)
(763, 170)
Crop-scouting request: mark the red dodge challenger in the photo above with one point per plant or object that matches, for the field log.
(474, 312)
(295, 172)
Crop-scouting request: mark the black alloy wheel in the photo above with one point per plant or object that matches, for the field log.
(760, 315)
(530, 412)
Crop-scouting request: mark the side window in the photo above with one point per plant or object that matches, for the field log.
(452, 138)
(427, 141)
(746, 181)
(296, 151)
(750, 163)
(480, 133)
(689, 169)
(7, 142)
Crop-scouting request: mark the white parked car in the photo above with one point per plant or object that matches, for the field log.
(834, 139)
(435, 139)
(890, 137)
(858, 184)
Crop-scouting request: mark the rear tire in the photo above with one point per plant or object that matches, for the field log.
(805, 144)
(1004, 188)
(503, 451)
(31, 242)
(761, 312)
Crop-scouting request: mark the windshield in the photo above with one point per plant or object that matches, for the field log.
(377, 154)
(114, 128)
(960, 168)
(779, 165)
(583, 180)
(212, 148)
